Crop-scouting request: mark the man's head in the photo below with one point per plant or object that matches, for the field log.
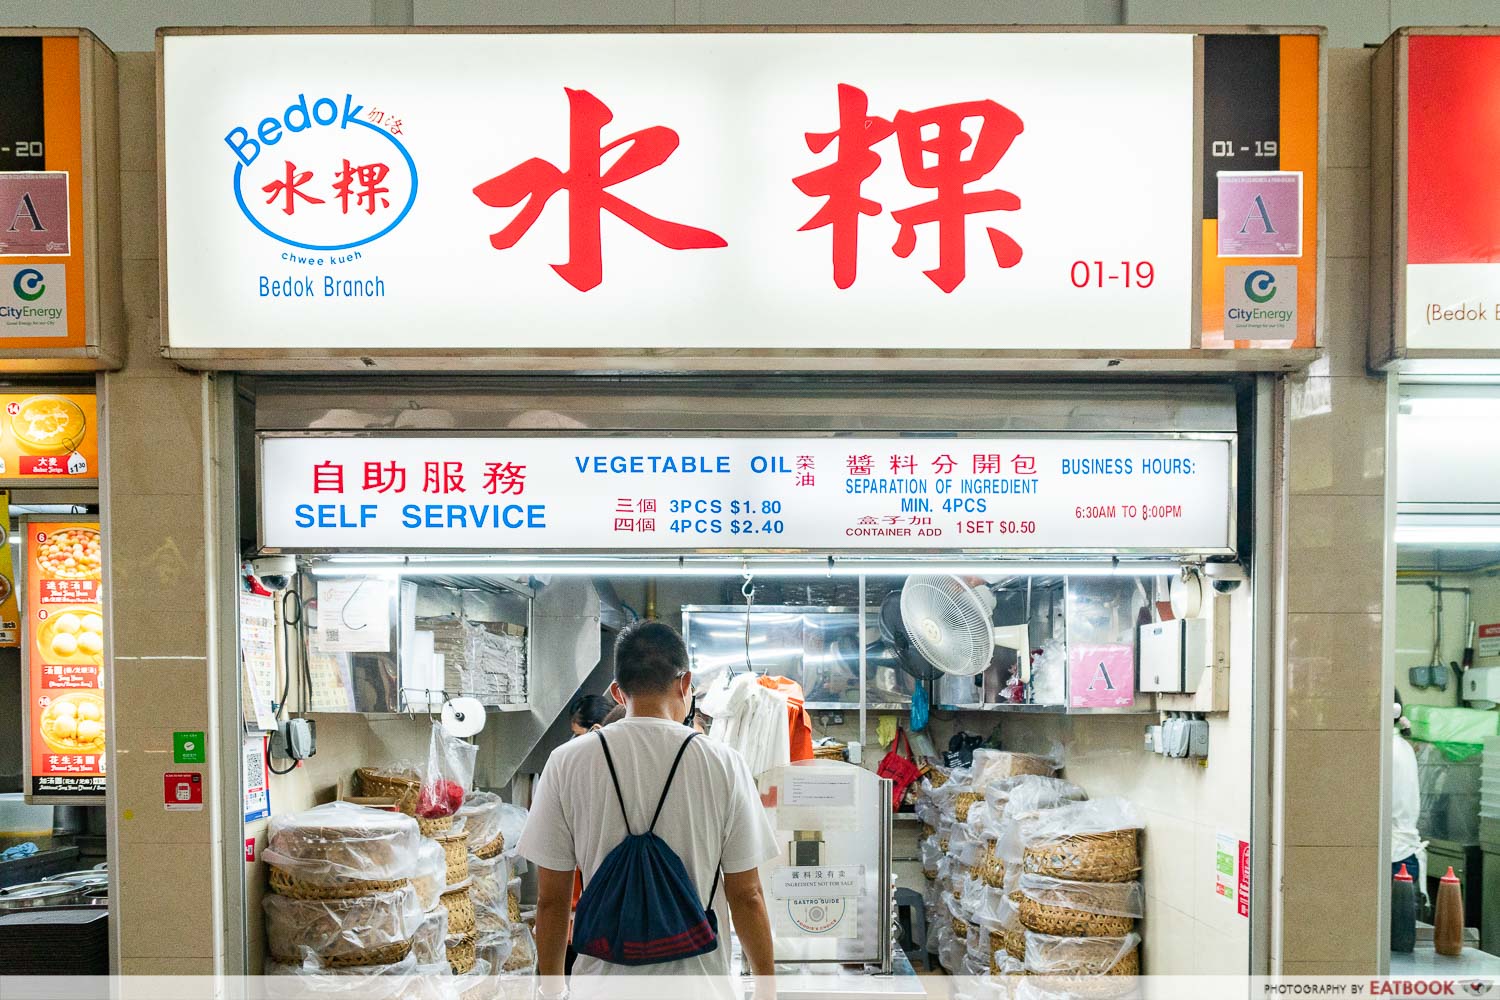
(651, 664)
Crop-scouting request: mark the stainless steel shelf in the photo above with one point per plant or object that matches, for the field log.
(1049, 709)
(853, 706)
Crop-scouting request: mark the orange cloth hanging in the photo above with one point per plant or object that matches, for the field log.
(798, 722)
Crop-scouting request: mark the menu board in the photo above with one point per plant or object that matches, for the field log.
(48, 436)
(63, 647)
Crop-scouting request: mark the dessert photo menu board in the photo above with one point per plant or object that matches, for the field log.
(63, 645)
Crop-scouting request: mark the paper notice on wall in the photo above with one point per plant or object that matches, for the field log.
(1488, 642)
(1226, 860)
(354, 615)
(258, 659)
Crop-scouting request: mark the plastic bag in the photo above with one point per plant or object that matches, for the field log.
(521, 961)
(1077, 818)
(1117, 899)
(297, 929)
(1048, 955)
(430, 873)
(996, 765)
(1458, 732)
(1049, 674)
(296, 980)
(490, 883)
(1042, 793)
(429, 944)
(449, 774)
(343, 840)
(486, 817)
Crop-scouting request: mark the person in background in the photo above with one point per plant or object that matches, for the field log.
(615, 715)
(712, 817)
(589, 713)
(1406, 803)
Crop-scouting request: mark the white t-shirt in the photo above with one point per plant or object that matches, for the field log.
(712, 816)
(1406, 801)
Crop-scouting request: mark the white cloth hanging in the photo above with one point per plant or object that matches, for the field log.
(752, 719)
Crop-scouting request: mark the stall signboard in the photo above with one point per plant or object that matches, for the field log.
(1164, 494)
(469, 195)
(63, 651)
(49, 438)
(60, 292)
(1435, 283)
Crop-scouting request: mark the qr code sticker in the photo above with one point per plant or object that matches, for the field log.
(255, 769)
(331, 635)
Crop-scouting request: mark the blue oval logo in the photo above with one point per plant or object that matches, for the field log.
(323, 188)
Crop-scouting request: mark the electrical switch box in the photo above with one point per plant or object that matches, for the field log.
(1173, 655)
(1481, 684)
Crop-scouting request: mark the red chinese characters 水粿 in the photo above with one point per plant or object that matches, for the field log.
(932, 145)
(586, 181)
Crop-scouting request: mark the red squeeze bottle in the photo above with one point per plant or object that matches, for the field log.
(1448, 924)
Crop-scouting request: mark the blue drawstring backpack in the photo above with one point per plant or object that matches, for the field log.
(641, 907)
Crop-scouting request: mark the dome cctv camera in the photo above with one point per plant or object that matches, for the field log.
(274, 571)
(1225, 577)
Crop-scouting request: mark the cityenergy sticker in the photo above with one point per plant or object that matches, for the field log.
(1260, 303)
(33, 301)
(1260, 213)
(1086, 494)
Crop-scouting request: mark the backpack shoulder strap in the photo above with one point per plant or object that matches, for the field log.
(615, 780)
(668, 786)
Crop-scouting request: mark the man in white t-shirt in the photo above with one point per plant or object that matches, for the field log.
(712, 817)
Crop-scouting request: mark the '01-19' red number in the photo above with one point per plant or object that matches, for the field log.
(1093, 274)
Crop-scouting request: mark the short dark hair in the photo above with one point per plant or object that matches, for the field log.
(590, 709)
(649, 656)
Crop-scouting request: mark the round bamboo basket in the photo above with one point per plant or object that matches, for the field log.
(456, 852)
(1088, 857)
(960, 928)
(490, 850)
(1014, 943)
(962, 803)
(386, 954)
(1065, 921)
(513, 907)
(434, 827)
(388, 786)
(829, 753)
(284, 883)
(928, 831)
(460, 909)
(461, 954)
(1129, 965)
(943, 845)
(990, 869)
(937, 778)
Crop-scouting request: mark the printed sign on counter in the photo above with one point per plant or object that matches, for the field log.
(818, 916)
(64, 656)
(1101, 675)
(1146, 495)
(818, 787)
(840, 882)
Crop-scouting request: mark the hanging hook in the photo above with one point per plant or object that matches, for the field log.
(748, 589)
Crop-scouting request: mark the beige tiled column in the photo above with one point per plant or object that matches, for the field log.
(1331, 713)
(152, 493)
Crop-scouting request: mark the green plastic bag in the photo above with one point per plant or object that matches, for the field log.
(1458, 732)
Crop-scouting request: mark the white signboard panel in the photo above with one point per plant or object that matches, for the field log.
(1089, 494)
(967, 191)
